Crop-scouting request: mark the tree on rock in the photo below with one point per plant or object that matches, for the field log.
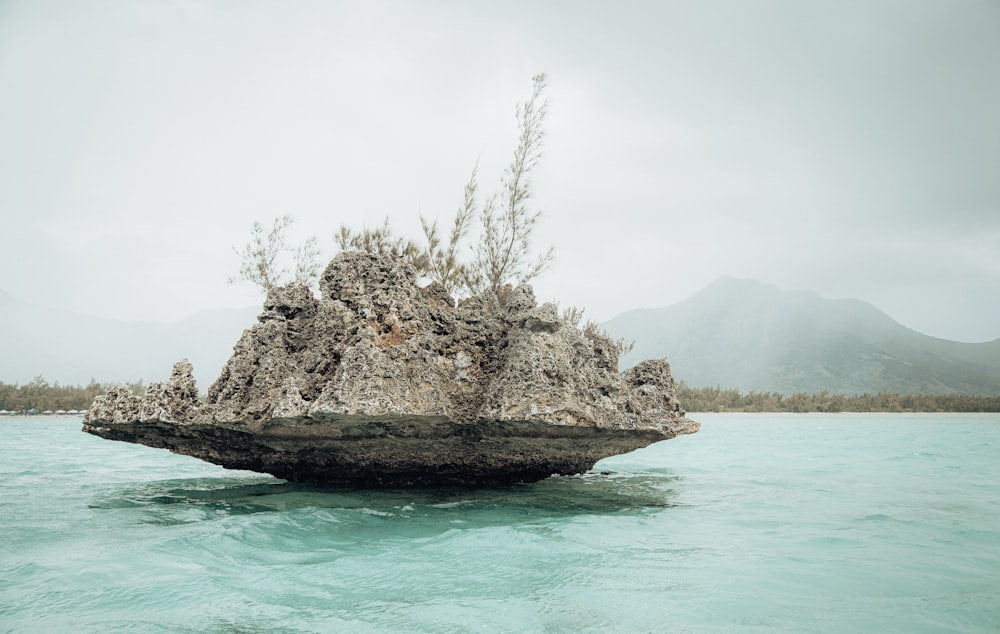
(500, 255)
(503, 254)
(261, 257)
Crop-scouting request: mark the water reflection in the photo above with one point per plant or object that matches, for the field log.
(186, 500)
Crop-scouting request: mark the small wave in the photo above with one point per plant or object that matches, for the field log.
(881, 517)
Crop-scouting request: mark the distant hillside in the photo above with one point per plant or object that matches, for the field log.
(72, 349)
(748, 335)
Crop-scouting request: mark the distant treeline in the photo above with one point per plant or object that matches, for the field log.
(716, 399)
(40, 395)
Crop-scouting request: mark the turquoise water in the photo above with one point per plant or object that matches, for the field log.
(759, 523)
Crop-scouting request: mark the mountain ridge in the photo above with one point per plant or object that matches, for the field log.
(734, 333)
(749, 335)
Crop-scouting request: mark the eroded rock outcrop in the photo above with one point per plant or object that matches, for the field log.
(381, 382)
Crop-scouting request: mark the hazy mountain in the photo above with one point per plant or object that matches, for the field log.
(734, 333)
(752, 336)
(72, 349)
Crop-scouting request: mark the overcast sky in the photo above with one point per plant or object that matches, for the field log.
(850, 148)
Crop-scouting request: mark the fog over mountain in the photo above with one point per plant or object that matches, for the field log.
(734, 333)
(72, 349)
(749, 335)
(851, 148)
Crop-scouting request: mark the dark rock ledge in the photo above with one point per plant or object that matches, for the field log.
(383, 383)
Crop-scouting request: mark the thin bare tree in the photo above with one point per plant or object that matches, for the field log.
(307, 262)
(260, 257)
(443, 265)
(503, 255)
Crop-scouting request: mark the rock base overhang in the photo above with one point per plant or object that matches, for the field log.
(396, 451)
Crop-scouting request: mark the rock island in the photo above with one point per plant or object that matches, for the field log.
(381, 382)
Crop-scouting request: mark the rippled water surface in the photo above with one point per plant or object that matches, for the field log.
(770, 523)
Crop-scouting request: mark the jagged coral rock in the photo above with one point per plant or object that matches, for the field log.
(382, 382)
(117, 405)
(175, 401)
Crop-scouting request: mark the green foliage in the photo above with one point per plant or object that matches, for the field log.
(716, 399)
(40, 395)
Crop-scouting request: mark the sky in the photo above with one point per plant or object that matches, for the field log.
(848, 148)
